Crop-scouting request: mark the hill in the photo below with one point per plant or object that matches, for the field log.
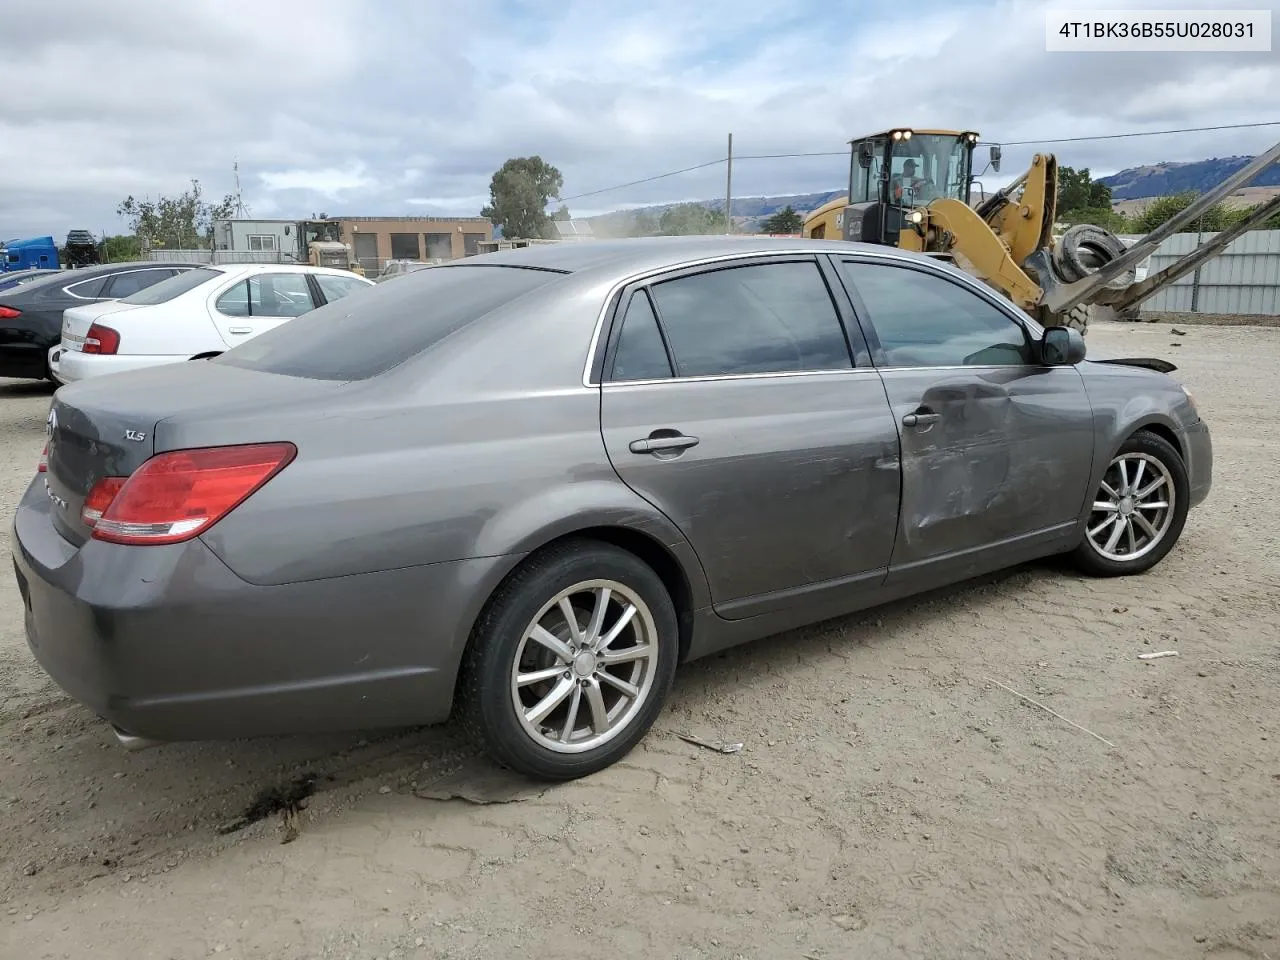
(1162, 179)
(748, 212)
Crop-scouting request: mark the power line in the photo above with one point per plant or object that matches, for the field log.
(845, 153)
(659, 176)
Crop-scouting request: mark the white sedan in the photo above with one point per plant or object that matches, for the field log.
(199, 313)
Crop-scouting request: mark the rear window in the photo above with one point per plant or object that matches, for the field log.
(386, 325)
(175, 286)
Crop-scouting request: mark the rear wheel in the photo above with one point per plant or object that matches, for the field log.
(1138, 511)
(571, 662)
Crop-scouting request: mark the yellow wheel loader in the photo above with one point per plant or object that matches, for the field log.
(913, 189)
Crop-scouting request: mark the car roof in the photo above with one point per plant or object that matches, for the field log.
(632, 255)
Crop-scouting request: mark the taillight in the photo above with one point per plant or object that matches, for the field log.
(100, 339)
(8, 313)
(99, 498)
(43, 465)
(179, 495)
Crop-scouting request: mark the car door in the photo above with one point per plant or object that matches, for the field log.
(729, 401)
(996, 447)
(260, 302)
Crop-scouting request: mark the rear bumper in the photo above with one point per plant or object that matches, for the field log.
(167, 643)
(1199, 461)
(74, 365)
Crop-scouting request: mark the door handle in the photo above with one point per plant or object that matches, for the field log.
(662, 444)
(240, 329)
(920, 419)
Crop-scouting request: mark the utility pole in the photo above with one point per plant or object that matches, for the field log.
(728, 190)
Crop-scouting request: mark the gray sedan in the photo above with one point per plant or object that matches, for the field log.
(521, 488)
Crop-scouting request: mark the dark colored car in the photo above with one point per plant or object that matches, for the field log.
(17, 278)
(31, 314)
(530, 483)
(81, 249)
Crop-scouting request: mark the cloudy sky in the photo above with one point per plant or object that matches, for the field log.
(394, 108)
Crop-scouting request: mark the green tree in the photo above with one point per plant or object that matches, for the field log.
(181, 222)
(1103, 217)
(1077, 190)
(690, 219)
(518, 197)
(562, 213)
(1162, 209)
(643, 224)
(121, 248)
(785, 220)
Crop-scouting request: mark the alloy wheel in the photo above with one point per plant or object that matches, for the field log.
(585, 666)
(1133, 509)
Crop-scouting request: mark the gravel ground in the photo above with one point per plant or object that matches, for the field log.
(890, 800)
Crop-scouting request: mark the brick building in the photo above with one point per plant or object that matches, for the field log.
(375, 240)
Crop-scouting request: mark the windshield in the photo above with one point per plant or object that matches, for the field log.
(166, 290)
(926, 167)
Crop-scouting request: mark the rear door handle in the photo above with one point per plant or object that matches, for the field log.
(662, 444)
(920, 419)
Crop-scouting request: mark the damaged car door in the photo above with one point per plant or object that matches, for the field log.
(996, 446)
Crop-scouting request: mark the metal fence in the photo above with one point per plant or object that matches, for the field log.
(1243, 280)
(222, 256)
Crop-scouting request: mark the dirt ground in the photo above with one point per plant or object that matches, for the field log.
(890, 799)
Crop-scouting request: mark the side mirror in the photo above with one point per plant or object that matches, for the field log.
(1062, 346)
(995, 157)
(865, 154)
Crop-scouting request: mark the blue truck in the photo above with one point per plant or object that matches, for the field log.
(37, 253)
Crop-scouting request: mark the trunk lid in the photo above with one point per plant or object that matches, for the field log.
(76, 321)
(109, 426)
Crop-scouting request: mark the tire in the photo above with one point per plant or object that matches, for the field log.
(501, 641)
(1156, 456)
(1077, 318)
(1084, 249)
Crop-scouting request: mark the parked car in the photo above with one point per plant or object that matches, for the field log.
(529, 483)
(31, 315)
(18, 277)
(398, 268)
(198, 314)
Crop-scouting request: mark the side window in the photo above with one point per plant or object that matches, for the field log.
(335, 288)
(924, 320)
(762, 318)
(640, 354)
(125, 284)
(87, 289)
(235, 302)
(268, 295)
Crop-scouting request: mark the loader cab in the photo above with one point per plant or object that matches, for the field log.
(893, 172)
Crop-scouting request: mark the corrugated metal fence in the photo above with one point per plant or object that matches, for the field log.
(1242, 280)
(221, 256)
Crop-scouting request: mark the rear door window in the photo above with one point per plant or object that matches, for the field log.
(755, 319)
(335, 288)
(89, 289)
(640, 354)
(389, 323)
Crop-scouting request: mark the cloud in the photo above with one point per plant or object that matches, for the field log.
(402, 108)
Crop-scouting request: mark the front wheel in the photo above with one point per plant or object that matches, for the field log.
(571, 662)
(1138, 510)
